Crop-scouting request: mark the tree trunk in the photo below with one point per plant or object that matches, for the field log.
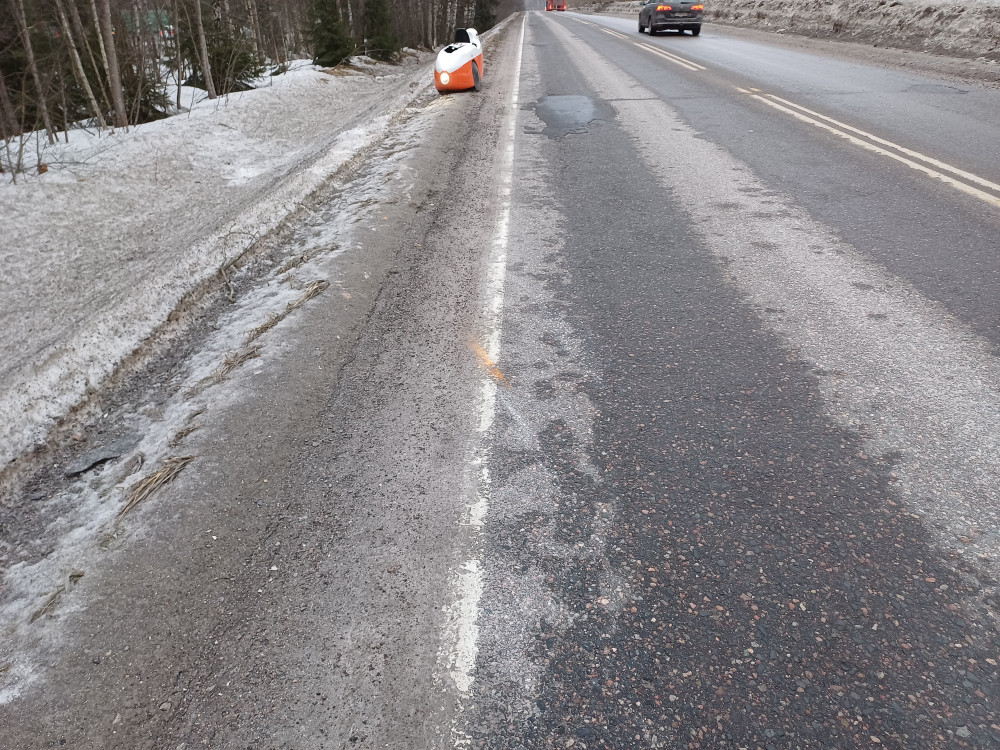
(206, 71)
(177, 54)
(221, 18)
(74, 54)
(104, 52)
(254, 27)
(74, 16)
(295, 25)
(65, 108)
(8, 121)
(118, 115)
(350, 20)
(18, 7)
(429, 23)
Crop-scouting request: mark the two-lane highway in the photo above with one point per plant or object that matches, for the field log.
(743, 469)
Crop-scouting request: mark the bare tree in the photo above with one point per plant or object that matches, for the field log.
(178, 59)
(29, 52)
(119, 114)
(8, 121)
(74, 16)
(81, 76)
(103, 51)
(254, 23)
(102, 58)
(206, 69)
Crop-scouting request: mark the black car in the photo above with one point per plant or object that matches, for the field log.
(676, 15)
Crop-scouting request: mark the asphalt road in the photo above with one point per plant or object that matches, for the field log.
(743, 480)
(645, 409)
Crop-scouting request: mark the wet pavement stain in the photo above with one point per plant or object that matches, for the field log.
(567, 114)
(933, 88)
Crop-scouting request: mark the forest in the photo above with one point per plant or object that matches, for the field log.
(105, 64)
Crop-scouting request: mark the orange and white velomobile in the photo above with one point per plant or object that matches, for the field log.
(459, 66)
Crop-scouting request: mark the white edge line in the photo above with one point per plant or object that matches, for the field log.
(470, 574)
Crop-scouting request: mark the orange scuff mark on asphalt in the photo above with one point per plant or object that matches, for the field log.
(490, 365)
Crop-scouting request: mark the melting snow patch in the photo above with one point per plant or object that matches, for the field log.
(124, 225)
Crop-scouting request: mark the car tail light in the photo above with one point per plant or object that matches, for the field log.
(664, 7)
(697, 7)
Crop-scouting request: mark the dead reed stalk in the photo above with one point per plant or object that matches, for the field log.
(311, 291)
(169, 469)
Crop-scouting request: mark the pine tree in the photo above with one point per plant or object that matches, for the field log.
(485, 16)
(381, 42)
(330, 41)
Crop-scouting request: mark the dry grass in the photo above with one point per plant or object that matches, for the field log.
(272, 320)
(234, 360)
(182, 433)
(231, 362)
(290, 264)
(314, 288)
(131, 467)
(249, 352)
(347, 69)
(49, 605)
(170, 468)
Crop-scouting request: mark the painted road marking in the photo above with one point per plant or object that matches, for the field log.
(671, 57)
(614, 33)
(489, 364)
(846, 131)
(469, 577)
(968, 176)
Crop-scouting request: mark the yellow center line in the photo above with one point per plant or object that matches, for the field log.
(965, 188)
(671, 57)
(489, 364)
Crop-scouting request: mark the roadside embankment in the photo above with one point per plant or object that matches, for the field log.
(969, 30)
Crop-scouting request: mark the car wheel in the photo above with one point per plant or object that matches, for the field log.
(475, 77)
(651, 32)
(696, 31)
(640, 27)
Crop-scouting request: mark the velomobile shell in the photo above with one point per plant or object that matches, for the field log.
(453, 67)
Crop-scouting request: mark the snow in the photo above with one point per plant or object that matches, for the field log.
(969, 29)
(99, 250)
(84, 515)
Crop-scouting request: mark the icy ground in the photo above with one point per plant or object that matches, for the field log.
(99, 250)
(76, 508)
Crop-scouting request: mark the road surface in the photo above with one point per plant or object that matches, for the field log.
(654, 402)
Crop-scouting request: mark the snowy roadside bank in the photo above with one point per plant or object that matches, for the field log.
(99, 251)
(969, 29)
